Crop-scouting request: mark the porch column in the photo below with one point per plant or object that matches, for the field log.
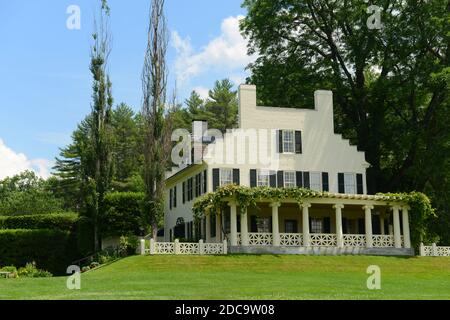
(406, 233)
(306, 237)
(208, 227)
(218, 229)
(368, 217)
(233, 223)
(339, 233)
(397, 237)
(244, 228)
(275, 224)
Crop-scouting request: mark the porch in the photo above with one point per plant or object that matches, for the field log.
(350, 225)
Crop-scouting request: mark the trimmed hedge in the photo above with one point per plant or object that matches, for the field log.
(54, 221)
(52, 250)
(124, 214)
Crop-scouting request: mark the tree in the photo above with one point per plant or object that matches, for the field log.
(221, 107)
(157, 124)
(391, 85)
(26, 194)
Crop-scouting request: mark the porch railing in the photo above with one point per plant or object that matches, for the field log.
(319, 240)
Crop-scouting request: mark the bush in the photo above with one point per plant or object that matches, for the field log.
(11, 269)
(128, 245)
(53, 250)
(123, 214)
(31, 271)
(54, 221)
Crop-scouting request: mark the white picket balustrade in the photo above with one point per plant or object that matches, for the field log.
(354, 240)
(260, 239)
(383, 241)
(291, 239)
(434, 251)
(323, 240)
(184, 248)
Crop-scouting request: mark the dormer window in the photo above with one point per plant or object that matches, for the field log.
(289, 141)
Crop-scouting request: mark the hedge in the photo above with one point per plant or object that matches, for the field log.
(52, 250)
(123, 214)
(54, 221)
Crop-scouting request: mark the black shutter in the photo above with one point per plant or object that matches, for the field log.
(280, 141)
(325, 182)
(205, 181)
(236, 177)
(273, 179)
(184, 192)
(298, 142)
(252, 178)
(195, 185)
(175, 197)
(280, 179)
(359, 183)
(171, 199)
(299, 178)
(216, 179)
(310, 225)
(253, 224)
(190, 189)
(361, 226)
(341, 183)
(306, 180)
(327, 225)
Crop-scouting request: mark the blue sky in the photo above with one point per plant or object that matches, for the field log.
(45, 85)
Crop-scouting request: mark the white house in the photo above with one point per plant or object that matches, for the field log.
(286, 147)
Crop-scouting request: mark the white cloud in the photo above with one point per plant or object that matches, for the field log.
(12, 163)
(202, 92)
(226, 53)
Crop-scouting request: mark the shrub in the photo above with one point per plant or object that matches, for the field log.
(53, 250)
(31, 271)
(123, 214)
(54, 221)
(85, 269)
(11, 269)
(128, 245)
(94, 265)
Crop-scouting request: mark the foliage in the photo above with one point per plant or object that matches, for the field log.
(26, 194)
(123, 214)
(54, 221)
(31, 271)
(12, 271)
(128, 245)
(53, 250)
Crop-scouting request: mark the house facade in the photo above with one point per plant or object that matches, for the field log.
(285, 148)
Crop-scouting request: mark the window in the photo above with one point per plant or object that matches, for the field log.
(263, 225)
(263, 178)
(315, 181)
(289, 179)
(189, 190)
(226, 176)
(350, 183)
(290, 226)
(316, 225)
(198, 184)
(288, 141)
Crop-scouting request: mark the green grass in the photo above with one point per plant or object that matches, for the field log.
(246, 277)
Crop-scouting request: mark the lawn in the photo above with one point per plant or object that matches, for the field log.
(246, 277)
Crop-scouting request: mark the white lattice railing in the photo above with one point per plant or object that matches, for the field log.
(383, 241)
(434, 251)
(354, 240)
(323, 240)
(291, 239)
(183, 248)
(260, 239)
(164, 248)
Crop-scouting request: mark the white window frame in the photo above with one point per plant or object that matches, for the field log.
(319, 185)
(293, 182)
(226, 176)
(347, 185)
(289, 143)
(266, 181)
